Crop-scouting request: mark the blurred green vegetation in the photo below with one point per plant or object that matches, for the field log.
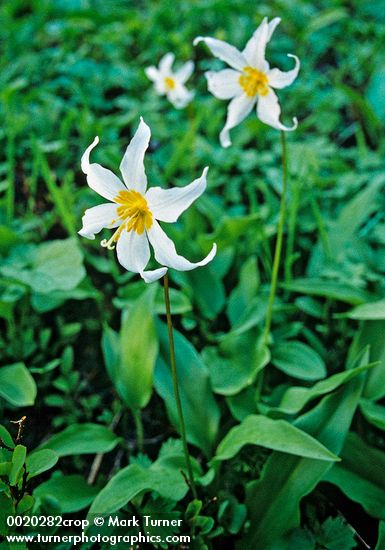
(74, 69)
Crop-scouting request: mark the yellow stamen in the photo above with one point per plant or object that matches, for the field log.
(254, 82)
(134, 213)
(170, 83)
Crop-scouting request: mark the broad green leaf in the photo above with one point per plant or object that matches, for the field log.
(376, 92)
(54, 265)
(17, 464)
(381, 536)
(58, 265)
(5, 468)
(131, 360)
(180, 303)
(244, 292)
(373, 311)
(6, 437)
(80, 439)
(235, 363)
(6, 509)
(194, 385)
(71, 492)
(372, 334)
(298, 360)
(243, 404)
(208, 291)
(352, 216)
(335, 534)
(163, 476)
(273, 500)
(278, 435)
(360, 475)
(25, 504)
(17, 385)
(334, 290)
(40, 461)
(231, 229)
(296, 397)
(374, 413)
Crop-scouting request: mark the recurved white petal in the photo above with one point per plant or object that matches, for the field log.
(152, 73)
(133, 251)
(184, 73)
(166, 254)
(268, 111)
(132, 166)
(224, 84)
(100, 179)
(180, 96)
(280, 79)
(98, 217)
(227, 53)
(238, 109)
(151, 276)
(165, 63)
(167, 205)
(273, 24)
(255, 49)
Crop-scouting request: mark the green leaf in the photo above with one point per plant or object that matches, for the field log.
(194, 386)
(71, 492)
(6, 509)
(207, 291)
(17, 385)
(381, 536)
(80, 439)
(246, 290)
(278, 435)
(375, 414)
(40, 461)
(17, 464)
(163, 476)
(360, 475)
(235, 364)
(376, 92)
(335, 534)
(296, 397)
(298, 360)
(25, 504)
(372, 334)
(55, 265)
(334, 290)
(131, 360)
(373, 311)
(273, 500)
(6, 438)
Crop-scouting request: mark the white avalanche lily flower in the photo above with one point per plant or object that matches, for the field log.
(134, 211)
(172, 84)
(250, 81)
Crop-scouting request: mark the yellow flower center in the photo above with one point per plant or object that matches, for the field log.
(254, 82)
(134, 213)
(170, 83)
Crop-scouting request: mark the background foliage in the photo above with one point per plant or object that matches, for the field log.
(73, 69)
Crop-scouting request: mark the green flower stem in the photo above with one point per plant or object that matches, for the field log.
(176, 386)
(136, 413)
(276, 262)
(278, 244)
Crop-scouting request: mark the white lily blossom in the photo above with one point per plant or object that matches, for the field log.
(170, 83)
(250, 81)
(134, 211)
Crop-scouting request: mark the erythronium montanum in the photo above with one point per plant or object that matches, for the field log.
(133, 213)
(170, 83)
(250, 82)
